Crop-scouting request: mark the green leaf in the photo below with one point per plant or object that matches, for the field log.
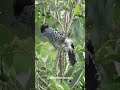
(45, 58)
(76, 31)
(70, 72)
(76, 78)
(65, 86)
(77, 10)
(56, 85)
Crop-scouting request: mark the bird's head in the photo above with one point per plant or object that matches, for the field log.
(44, 28)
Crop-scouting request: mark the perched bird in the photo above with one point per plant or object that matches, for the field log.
(57, 39)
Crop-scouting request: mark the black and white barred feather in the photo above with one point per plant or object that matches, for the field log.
(57, 39)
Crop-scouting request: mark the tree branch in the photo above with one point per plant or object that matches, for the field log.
(71, 15)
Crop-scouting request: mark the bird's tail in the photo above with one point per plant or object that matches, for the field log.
(72, 57)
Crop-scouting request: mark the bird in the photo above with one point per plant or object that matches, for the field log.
(57, 39)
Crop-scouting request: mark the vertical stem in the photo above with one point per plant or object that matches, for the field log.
(65, 20)
(61, 65)
(75, 4)
(63, 61)
(67, 64)
(64, 58)
(57, 61)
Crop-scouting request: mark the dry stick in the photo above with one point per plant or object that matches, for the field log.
(61, 53)
(68, 21)
(66, 28)
(43, 81)
(61, 67)
(57, 61)
(67, 64)
(64, 55)
(57, 15)
(65, 33)
(59, 57)
(55, 3)
(65, 21)
(58, 19)
(72, 14)
(63, 61)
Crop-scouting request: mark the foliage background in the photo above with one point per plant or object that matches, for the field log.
(102, 26)
(45, 10)
(16, 51)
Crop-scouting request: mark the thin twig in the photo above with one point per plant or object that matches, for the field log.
(41, 88)
(65, 19)
(68, 19)
(72, 14)
(67, 65)
(63, 62)
(61, 65)
(57, 61)
(43, 81)
(64, 54)
(57, 15)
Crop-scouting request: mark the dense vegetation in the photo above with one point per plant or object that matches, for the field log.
(102, 26)
(54, 13)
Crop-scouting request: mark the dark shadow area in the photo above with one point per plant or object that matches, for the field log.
(102, 44)
(17, 67)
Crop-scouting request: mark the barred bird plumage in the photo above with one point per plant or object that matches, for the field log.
(57, 39)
